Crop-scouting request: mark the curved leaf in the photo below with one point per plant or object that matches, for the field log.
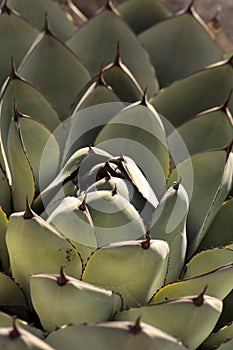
(175, 51)
(4, 256)
(102, 33)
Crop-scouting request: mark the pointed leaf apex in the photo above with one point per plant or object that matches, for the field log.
(146, 244)
(199, 300)
(114, 191)
(224, 106)
(5, 9)
(117, 60)
(62, 279)
(189, 8)
(136, 328)
(110, 7)
(108, 176)
(144, 100)
(176, 184)
(230, 60)
(15, 332)
(82, 206)
(13, 74)
(28, 214)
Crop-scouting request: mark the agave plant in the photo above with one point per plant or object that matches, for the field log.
(116, 173)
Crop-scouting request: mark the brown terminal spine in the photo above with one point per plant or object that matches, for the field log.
(62, 279)
(199, 300)
(146, 244)
(136, 328)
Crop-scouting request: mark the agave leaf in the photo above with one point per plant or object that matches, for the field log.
(136, 282)
(5, 193)
(138, 132)
(35, 14)
(207, 261)
(227, 345)
(169, 223)
(16, 37)
(178, 103)
(29, 101)
(61, 75)
(22, 177)
(109, 29)
(75, 301)
(206, 192)
(220, 230)
(10, 293)
(98, 92)
(73, 222)
(25, 232)
(197, 317)
(114, 218)
(119, 77)
(44, 162)
(219, 282)
(4, 256)
(193, 47)
(217, 338)
(140, 17)
(226, 316)
(113, 335)
(208, 130)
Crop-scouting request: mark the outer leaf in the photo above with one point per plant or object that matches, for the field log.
(219, 284)
(216, 339)
(108, 30)
(4, 256)
(208, 192)
(137, 131)
(193, 47)
(114, 336)
(23, 183)
(10, 293)
(61, 75)
(178, 103)
(142, 16)
(75, 301)
(220, 231)
(29, 101)
(5, 193)
(16, 37)
(25, 232)
(169, 223)
(196, 321)
(208, 130)
(35, 14)
(114, 267)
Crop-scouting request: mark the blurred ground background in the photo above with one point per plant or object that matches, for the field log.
(218, 15)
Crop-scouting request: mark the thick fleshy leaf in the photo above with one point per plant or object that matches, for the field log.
(209, 130)
(35, 13)
(114, 336)
(4, 256)
(193, 47)
(137, 131)
(219, 283)
(197, 317)
(217, 338)
(169, 223)
(220, 231)
(75, 301)
(45, 163)
(141, 16)
(178, 103)
(206, 193)
(114, 218)
(22, 177)
(10, 293)
(113, 267)
(5, 193)
(61, 75)
(29, 101)
(102, 33)
(26, 231)
(16, 37)
(207, 261)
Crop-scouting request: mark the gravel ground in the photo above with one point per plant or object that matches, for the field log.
(218, 14)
